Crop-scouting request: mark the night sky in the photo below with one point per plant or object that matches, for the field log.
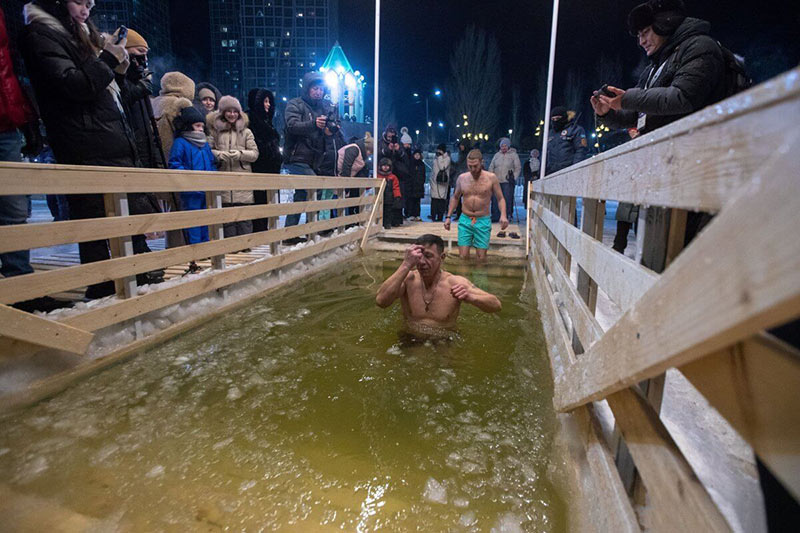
(417, 37)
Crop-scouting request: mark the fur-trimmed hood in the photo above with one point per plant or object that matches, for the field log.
(177, 84)
(32, 13)
(169, 107)
(216, 122)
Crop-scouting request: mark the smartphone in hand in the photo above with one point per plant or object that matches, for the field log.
(604, 90)
(121, 34)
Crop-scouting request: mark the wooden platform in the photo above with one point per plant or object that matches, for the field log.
(410, 231)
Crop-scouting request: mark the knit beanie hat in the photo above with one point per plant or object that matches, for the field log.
(206, 93)
(442, 147)
(664, 15)
(385, 161)
(406, 139)
(229, 102)
(135, 39)
(505, 142)
(189, 115)
(558, 111)
(177, 84)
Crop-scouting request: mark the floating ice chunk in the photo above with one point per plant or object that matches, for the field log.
(234, 393)
(468, 519)
(435, 492)
(246, 485)
(221, 444)
(461, 503)
(508, 523)
(394, 350)
(4, 451)
(156, 471)
(105, 452)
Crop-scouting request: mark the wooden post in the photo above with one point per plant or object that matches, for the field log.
(340, 212)
(272, 223)
(216, 231)
(374, 211)
(122, 247)
(591, 224)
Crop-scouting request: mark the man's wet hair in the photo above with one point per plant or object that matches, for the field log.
(428, 239)
(475, 154)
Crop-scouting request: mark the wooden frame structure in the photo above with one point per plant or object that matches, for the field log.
(22, 333)
(705, 315)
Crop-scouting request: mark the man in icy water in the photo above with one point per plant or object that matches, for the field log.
(431, 298)
(475, 225)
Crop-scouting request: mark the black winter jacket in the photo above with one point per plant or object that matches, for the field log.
(304, 142)
(85, 124)
(566, 147)
(267, 137)
(691, 78)
(399, 158)
(416, 184)
(136, 92)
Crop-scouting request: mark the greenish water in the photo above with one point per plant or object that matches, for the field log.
(308, 411)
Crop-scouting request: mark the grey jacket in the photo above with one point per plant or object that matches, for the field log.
(502, 163)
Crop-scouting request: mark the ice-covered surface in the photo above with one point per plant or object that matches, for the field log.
(307, 411)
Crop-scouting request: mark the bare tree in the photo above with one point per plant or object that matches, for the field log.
(608, 70)
(574, 92)
(518, 115)
(474, 88)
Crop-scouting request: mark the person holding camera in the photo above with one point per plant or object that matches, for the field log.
(390, 146)
(307, 119)
(506, 166)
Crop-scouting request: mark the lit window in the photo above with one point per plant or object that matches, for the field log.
(223, 29)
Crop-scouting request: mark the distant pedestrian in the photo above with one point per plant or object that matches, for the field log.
(268, 140)
(416, 186)
(191, 151)
(506, 166)
(530, 171)
(392, 197)
(440, 182)
(234, 147)
(567, 142)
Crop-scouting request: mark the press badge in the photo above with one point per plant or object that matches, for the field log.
(641, 122)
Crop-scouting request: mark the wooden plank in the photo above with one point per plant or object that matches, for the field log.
(620, 277)
(30, 178)
(592, 225)
(677, 499)
(373, 211)
(22, 326)
(559, 345)
(754, 385)
(29, 236)
(139, 305)
(677, 234)
(34, 285)
(696, 163)
(735, 279)
(616, 514)
(583, 321)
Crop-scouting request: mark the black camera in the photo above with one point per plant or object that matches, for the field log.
(393, 138)
(604, 90)
(331, 123)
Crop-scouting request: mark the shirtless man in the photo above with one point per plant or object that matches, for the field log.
(429, 295)
(475, 224)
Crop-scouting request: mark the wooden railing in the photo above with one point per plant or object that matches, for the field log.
(23, 333)
(705, 315)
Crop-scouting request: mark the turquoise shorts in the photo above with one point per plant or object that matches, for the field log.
(474, 232)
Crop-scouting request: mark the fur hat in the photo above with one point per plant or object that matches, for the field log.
(664, 15)
(385, 161)
(177, 84)
(135, 39)
(205, 92)
(229, 102)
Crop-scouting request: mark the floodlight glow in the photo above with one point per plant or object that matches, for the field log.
(430, 124)
(441, 124)
(437, 92)
(350, 81)
(331, 79)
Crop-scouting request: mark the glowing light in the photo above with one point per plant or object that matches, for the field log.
(350, 81)
(464, 117)
(284, 98)
(430, 124)
(510, 131)
(416, 95)
(331, 79)
(417, 132)
(441, 124)
(437, 92)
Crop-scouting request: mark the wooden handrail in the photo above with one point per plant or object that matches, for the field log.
(378, 200)
(697, 163)
(28, 178)
(38, 284)
(29, 236)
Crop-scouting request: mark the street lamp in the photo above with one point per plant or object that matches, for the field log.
(437, 93)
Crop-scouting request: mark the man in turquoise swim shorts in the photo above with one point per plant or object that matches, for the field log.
(475, 225)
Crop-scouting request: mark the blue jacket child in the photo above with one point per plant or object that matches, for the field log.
(191, 151)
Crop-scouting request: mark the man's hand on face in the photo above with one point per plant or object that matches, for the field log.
(614, 103)
(413, 256)
(460, 292)
(503, 222)
(321, 122)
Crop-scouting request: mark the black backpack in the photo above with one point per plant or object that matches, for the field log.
(442, 176)
(736, 78)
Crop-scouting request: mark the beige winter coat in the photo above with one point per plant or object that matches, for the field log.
(234, 147)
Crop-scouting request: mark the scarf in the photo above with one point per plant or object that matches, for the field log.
(197, 138)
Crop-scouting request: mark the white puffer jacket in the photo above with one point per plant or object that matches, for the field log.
(234, 147)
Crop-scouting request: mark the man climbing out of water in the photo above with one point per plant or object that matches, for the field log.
(475, 225)
(429, 295)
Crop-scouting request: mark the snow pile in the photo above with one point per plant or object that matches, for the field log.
(117, 336)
